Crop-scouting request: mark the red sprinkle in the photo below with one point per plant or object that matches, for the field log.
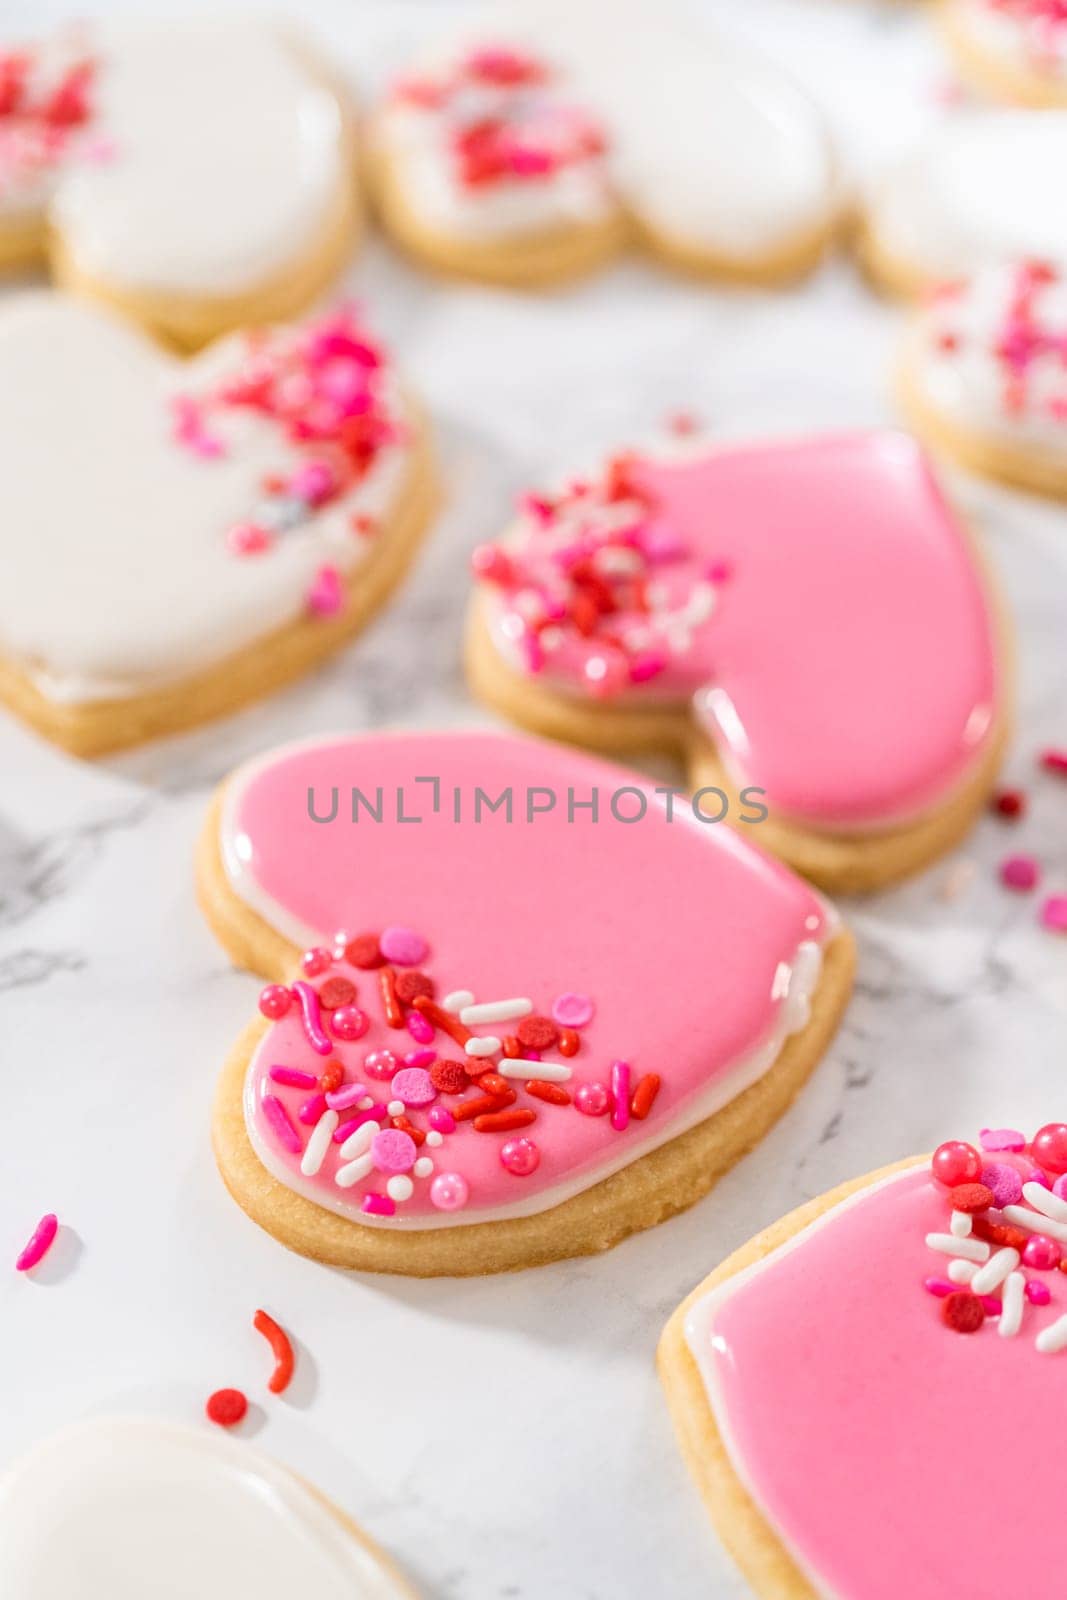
(284, 1358)
(541, 1089)
(417, 1135)
(512, 1047)
(481, 1105)
(364, 951)
(644, 1095)
(971, 1198)
(394, 1011)
(1009, 803)
(1055, 761)
(332, 1077)
(493, 1083)
(537, 1033)
(411, 983)
(337, 992)
(504, 1121)
(442, 1019)
(963, 1311)
(448, 1077)
(1001, 1233)
(1020, 872)
(568, 1042)
(226, 1407)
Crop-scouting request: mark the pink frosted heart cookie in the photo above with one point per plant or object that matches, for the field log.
(847, 1371)
(200, 174)
(804, 621)
(128, 1507)
(220, 524)
(507, 1041)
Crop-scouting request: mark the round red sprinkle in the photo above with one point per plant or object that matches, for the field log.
(963, 1311)
(1010, 803)
(971, 1198)
(537, 1033)
(226, 1407)
(448, 1077)
(411, 983)
(337, 992)
(364, 951)
(332, 1077)
(955, 1162)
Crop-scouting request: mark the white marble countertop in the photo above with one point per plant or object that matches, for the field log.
(501, 1437)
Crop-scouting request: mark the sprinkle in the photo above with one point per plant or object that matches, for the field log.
(938, 1286)
(1002, 1139)
(948, 1245)
(423, 1166)
(537, 1033)
(1009, 804)
(359, 1141)
(420, 1058)
(441, 1121)
(349, 1022)
(226, 1407)
(378, 1205)
(364, 951)
(458, 1000)
(1036, 1223)
(332, 1077)
(1054, 913)
(393, 1150)
(999, 1233)
(1055, 761)
(274, 1001)
(356, 1170)
(311, 1017)
(1043, 1200)
(394, 1014)
(1041, 1253)
(414, 1086)
(395, 1108)
(449, 1077)
(400, 1188)
(435, 1137)
(996, 1269)
(375, 1113)
(380, 1064)
(440, 1018)
(520, 1157)
(1038, 1293)
(546, 1071)
(1053, 1338)
(644, 1095)
(487, 1046)
(962, 1271)
(495, 1011)
(493, 1083)
(592, 1099)
(293, 1078)
(39, 1244)
(481, 1103)
(1011, 1313)
(551, 1093)
(620, 1093)
(1019, 872)
(412, 982)
(569, 1043)
(404, 946)
(573, 1010)
(282, 1348)
(326, 596)
(336, 992)
(504, 1121)
(960, 1224)
(971, 1197)
(449, 1191)
(963, 1311)
(317, 1146)
(344, 1099)
(1003, 1182)
(418, 1027)
(312, 1110)
(316, 961)
(282, 1128)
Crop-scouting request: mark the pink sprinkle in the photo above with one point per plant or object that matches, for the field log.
(1019, 872)
(39, 1244)
(293, 1078)
(620, 1092)
(718, 572)
(281, 1127)
(490, 564)
(393, 1150)
(1037, 1293)
(326, 596)
(1059, 1188)
(314, 482)
(1041, 1253)
(414, 1086)
(248, 539)
(420, 1058)
(311, 1016)
(573, 1010)
(1005, 1182)
(1055, 761)
(1054, 913)
(990, 1305)
(372, 1114)
(403, 946)
(647, 664)
(1002, 1139)
(378, 1205)
(312, 1110)
(939, 1286)
(442, 1120)
(419, 1028)
(344, 1099)
(349, 1022)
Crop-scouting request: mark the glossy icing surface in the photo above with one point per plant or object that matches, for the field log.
(981, 187)
(127, 1508)
(703, 995)
(761, 562)
(1023, 33)
(139, 520)
(211, 202)
(857, 1419)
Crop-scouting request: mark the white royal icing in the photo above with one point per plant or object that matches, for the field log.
(1016, 35)
(985, 185)
(212, 159)
(124, 1509)
(117, 572)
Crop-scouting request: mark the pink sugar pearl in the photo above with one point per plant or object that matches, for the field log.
(316, 961)
(572, 1010)
(404, 946)
(414, 1086)
(1019, 872)
(1054, 913)
(327, 593)
(1038, 1294)
(956, 1162)
(380, 1064)
(443, 1121)
(393, 1150)
(1049, 1148)
(520, 1156)
(449, 1191)
(274, 1001)
(592, 1099)
(349, 1022)
(1041, 1253)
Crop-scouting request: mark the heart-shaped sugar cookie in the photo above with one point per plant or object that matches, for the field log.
(541, 1004)
(182, 537)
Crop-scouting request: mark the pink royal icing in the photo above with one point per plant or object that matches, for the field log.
(818, 599)
(887, 1434)
(699, 990)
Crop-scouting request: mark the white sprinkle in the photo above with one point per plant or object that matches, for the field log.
(961, 1224)
(395, 1108)
(701, 603)
(996, 1269)
(1043, 1200)
(962, 1271)
(455, 1001)
(317, 1146)
(400, 1187)
(495, 1011)
(435, 1137)
(949, 1245)
(347, 1176)
(1033, 1223)
(1011, 1306)
(366, 1103)
(482, 1047)
(1053, 1338)
(359, 1141)
(423, 1166)
(547, 1071)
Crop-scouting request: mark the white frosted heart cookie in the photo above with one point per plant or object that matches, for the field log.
(713, 602)
(982, 186)
(983, 373)
(200, 174)
(1015, 50)
(527, 162)
(125, 1508)
(506, 1041)
(182, 537)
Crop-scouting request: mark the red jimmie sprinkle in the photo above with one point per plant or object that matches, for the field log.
(568, 1042)
(226, 1407)
(440, 1018)
(1009, 803)
(394, 1011)
(412, 983)
(963, 1311)
(1000, 1233)
(493, 1083)
(971, 1197)
(408, 1127)
(537, 1033)
(481, 1104)
(512, 1047)
(448, 1077)
(541, 1089)
(332, 1077)
(336, 992)
(504, 1121)
(284, 1358)
(364, 951)
(1055, 761)
(644, 1095)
